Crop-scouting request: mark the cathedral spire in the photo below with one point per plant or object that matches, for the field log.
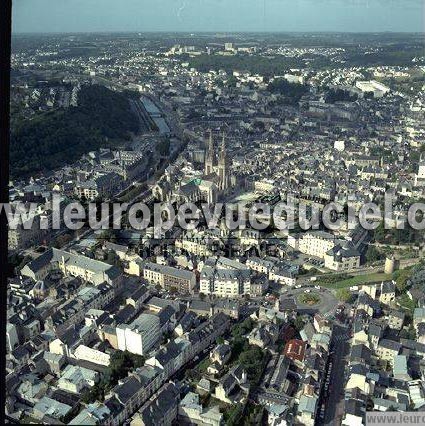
(223, 154)
(209, 155)
(223, 166)
(211, 144)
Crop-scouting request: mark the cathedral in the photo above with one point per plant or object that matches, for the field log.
(217, 166)
(184, 184)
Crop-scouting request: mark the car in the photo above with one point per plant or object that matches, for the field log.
(307, 291)
(317, 287)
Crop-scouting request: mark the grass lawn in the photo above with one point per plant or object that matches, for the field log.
(357, 280)
(203, 365)
(309, 299)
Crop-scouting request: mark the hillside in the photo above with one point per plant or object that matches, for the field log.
(56, 138)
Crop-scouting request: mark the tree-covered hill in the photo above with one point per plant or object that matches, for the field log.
(55, 138)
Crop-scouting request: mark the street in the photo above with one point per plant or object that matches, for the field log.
(334, 398)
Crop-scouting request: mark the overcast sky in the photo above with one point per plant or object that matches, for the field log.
(218, 15)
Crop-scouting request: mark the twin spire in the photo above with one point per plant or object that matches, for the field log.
(210, 154)
(211, 157)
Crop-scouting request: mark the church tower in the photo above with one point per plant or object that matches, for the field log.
(209, 156)
(223, 166)
(420, 175)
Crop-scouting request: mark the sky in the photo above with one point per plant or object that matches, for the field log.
(42, 16)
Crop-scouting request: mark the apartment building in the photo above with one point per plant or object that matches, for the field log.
(225, 282)
(168, 277)
(316, 243)
(70, 264)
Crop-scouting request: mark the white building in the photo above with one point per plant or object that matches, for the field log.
(316, 243)
(378, 89)
(420, 176)
(224, 283)
(339, 146)
(140, 336)
(11, 336)
(226, 278)
(192, 411)
(74, 379)
(92, 355)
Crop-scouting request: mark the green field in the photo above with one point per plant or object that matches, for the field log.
(357, 280)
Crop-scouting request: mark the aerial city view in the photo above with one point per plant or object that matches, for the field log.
(216, 224)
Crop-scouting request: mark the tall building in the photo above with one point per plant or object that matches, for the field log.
(223, 167)
(220, 168)
(210, 156)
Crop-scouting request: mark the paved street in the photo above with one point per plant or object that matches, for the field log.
(334, 399)
(326, 306)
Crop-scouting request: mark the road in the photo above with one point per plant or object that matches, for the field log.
(326, 306)
(334, 397)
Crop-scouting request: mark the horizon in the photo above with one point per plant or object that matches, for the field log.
(212, 16)
(216, 33)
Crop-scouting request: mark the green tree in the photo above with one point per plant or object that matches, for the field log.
(299, 323)
(243, 328)
(401, 278)
(373, 254)
(113, 259)
(50, 140)
(163, 147)
(232, 81)
(344, 295)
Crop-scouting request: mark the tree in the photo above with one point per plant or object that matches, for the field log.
(232, 81)
(344, 295)
(291, 92)
(61, 240)
(15, 263)
(120, 365)
(253, 359)
(243, 328)
(373, 254)
(299, 323)
(113, 259)
(401, 278)
(337, 95)
(55, 138)
(163, 147)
